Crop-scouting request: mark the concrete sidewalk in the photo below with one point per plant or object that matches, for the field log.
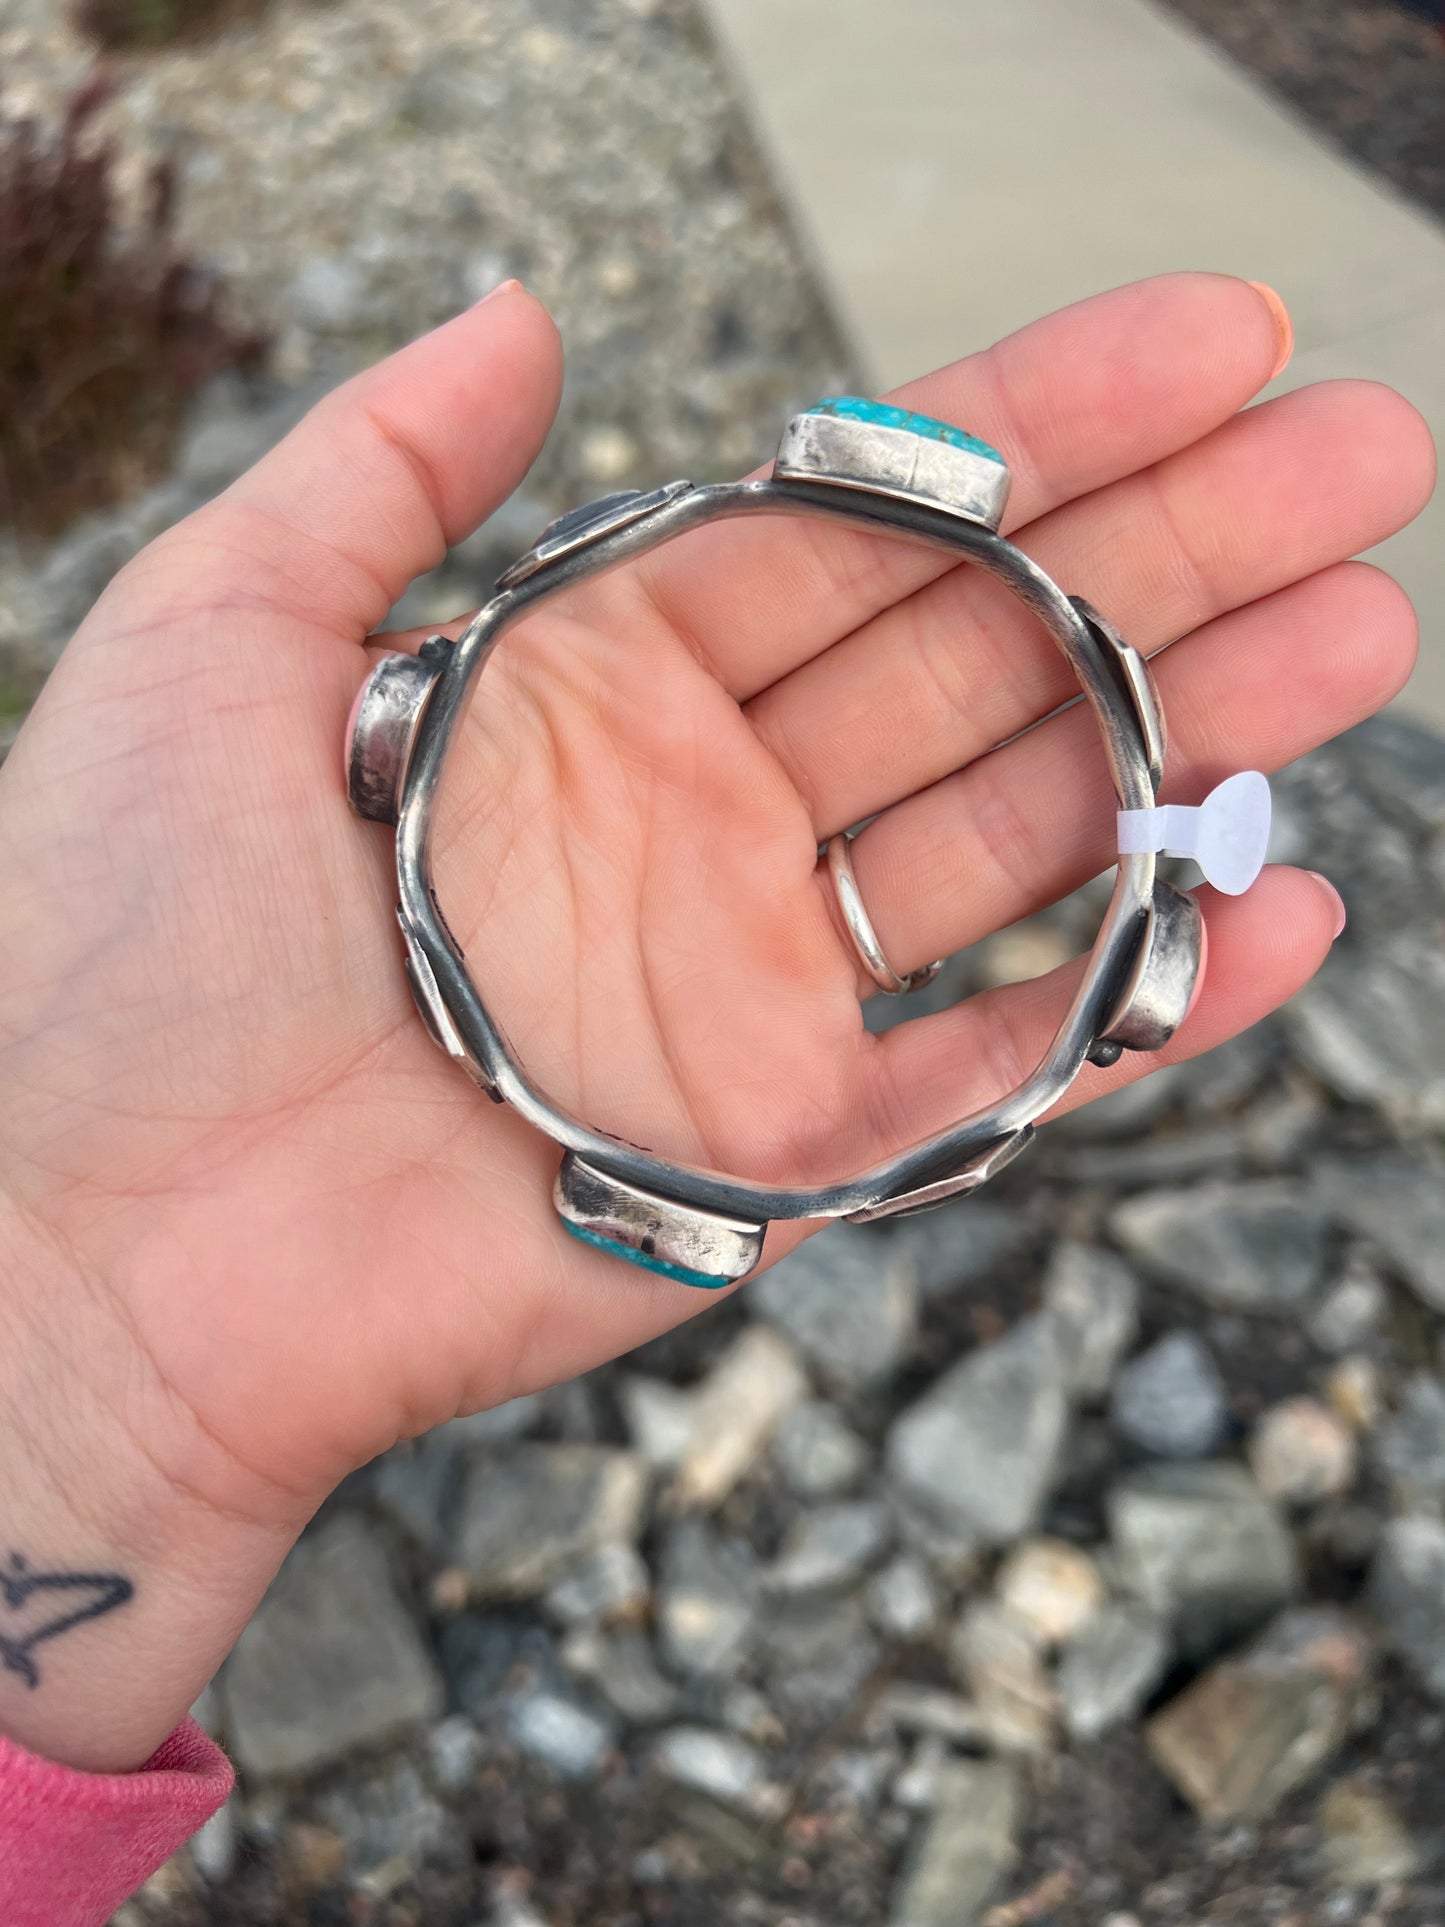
(959, 166)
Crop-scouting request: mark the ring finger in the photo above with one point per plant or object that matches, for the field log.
(1021, 827)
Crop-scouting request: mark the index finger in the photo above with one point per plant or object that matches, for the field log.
(1074, 401)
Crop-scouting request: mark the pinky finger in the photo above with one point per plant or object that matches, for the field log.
(1263, 947)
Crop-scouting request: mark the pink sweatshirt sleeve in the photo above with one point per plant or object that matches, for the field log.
(73, 1846)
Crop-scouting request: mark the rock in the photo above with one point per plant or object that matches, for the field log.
(209, 1712)
(1173, 1157)
(225, 432)
(568, 1738)
(830, 1547)
(1226, 1078)
(1302, 1452)
(1357, 1393)
(610, 1584)
(1397, 1201)
(819, 1653)
(455, 1750)
(1023, 951)
(915, 1787)
(911, 1708)
(1409, 1449)
(818, 1453)
(390, 1824)
(1202, 1545)
(528, 1514)
(720, 1765)
(1130, 1110)
(967, 1847)
(951, 1249)
(1363, 1841)
(659, 1419)
(1257, 1725)
(1352, 1311)
(1113, 1666)
(903, 1600)
(1257, 1246)
(1052, 1588)
(1093, 1298)
(330, 1661)
(706, 1600)
(982, 1447)
(1371, 1025)
(608, 454)
(954, 1553)
(313, 1857)
(736, 1410)
(1001, 1663)
(329, 293)
(414, 1483)
(1171, 1400)
(1407, 1595)
(620, 1667)
(514, 1910)
(848, 1300)
(213, 1849)
(746, 1710)
(1401, 766)
(499, 1423)
(479, 1652)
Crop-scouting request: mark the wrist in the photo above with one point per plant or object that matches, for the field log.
(121, 1588)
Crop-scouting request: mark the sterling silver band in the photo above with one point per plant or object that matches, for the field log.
(880, 469)
(860, 926)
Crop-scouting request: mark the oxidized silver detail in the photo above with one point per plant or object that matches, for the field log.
(661, 1230)
(383, 730)
(434, 1013)
(860, 926)
(893, 462)
(958, 1184)
(1136, 679)
(1160, 987)
(581, 528)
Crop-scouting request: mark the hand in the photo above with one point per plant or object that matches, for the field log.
(257, 1228)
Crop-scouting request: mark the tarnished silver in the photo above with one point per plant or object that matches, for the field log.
(1155, 999)
(1136, 679)
(927, 1196)
(579, 528)
(910, 468)
(434, 1013)
(706, 1247)
(623, 1196)
(860, 925)
(383, 727)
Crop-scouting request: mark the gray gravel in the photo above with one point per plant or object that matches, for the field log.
(1171, 1400)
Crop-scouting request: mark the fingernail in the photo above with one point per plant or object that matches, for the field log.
(506, 287)
(1336, 900)
(1283, 326)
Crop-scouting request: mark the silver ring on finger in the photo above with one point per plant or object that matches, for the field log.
(860, 926)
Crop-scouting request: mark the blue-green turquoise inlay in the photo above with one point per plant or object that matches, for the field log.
(703, 1280)
(856, 408)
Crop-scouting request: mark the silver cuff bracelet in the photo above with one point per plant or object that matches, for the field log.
(882, 469)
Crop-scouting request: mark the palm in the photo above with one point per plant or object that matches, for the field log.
(317, 1235)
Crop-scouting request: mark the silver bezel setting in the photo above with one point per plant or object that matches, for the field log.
(910, 468)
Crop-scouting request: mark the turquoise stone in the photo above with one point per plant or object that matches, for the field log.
(702, 1280)
(854, 408)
